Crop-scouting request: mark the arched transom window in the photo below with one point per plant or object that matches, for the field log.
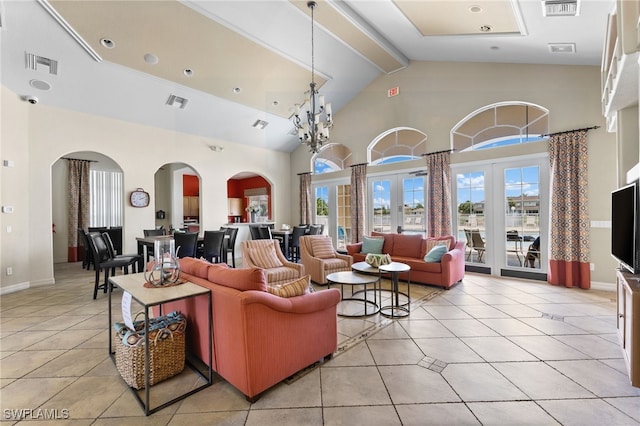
(399, 144)
(500, 124)
(331, 158)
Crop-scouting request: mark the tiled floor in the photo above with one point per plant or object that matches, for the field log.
(489, 351)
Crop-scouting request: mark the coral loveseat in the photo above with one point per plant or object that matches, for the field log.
(411, 249)
(259, 338)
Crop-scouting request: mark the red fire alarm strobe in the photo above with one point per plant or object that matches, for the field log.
(393, 91)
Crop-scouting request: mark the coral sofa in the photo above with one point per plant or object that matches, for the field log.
(412, 248)
(259, 338)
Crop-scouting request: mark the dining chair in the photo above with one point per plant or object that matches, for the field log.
(153, 232)
(265, 232)
(104, 262)
(254, 230)
(294, 245)
(230, 244)
(87, 259)
(315, 229)
(112, 251)
(186, 244)
(213, 246)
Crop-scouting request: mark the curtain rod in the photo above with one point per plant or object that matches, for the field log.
(361, 164)
(80, 159)
(570, 131)
(305, 173)
(437, 152)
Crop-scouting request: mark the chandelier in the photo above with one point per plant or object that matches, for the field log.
(313, 119)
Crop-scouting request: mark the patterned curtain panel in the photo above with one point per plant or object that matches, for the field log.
(569, 240)
(306, 205)
(358, 201)
(439, 183)
(78, 203)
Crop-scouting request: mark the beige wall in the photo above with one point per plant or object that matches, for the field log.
(435, 96)
(35, 137)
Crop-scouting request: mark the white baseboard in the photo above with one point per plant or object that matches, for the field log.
(14, 288)
(597, 285)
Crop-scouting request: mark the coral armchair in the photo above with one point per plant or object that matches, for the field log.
(267, 255)
(320, 259)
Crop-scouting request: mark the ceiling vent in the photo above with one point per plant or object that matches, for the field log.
(562, 48)
(560, 7)
(260, 124)
(35, 63)
(177, 101)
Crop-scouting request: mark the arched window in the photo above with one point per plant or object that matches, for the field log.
(331, 158)
(395, 145)
(500, 124)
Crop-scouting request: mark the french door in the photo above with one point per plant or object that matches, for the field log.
(502, 213)
(397, 202)
(333, 210)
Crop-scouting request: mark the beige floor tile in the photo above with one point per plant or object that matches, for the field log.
(597, 377)
(381, 415)
(468, 328)
(24, 339)
(540, 381)
(89, 397)
(447, 312)
(20, 363)
(74, 362)
(359, 355)
(497, 349)
(33, 393)
(220, 396)
(285, 417)
(453, 414)
(480, 382)
(594, 346)
(303, 392)
(223, 418)
(411, 384)
(155, 420)
(585, 412)
(521, 413)
(547, 348)
(66, 339)
(552, 327)
(421, 329)
(629, 406)
(510, 327)
(347, 386)
(448, 350)
(394, 352)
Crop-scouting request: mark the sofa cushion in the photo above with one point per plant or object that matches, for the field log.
(372, 245)
(240, 279)
(291, 289)
(196, 267)
(323, 248)
(431, 242)
(265, 256)
(407, 245)
(388, 241)
(436, 253)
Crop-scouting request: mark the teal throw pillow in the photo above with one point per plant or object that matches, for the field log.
(435, 254)
(372, 245)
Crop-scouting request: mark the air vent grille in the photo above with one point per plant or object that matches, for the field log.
(35, 63)
(560, 7)
(177, 101)
(562, 48)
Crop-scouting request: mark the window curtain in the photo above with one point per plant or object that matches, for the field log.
(78, 203)
(306, 205)
(569, 248)
(439, 190)
(358, 201)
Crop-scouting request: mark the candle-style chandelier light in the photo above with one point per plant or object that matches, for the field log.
(313, 119)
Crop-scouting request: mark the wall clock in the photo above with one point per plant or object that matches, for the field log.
(139, 198)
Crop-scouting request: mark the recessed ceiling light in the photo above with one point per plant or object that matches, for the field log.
(275, 103)
(40, 84)
(188, 72)
(486, 28)
(151, 59)
(108, 43)
(494, 48)
(475, 9)
(236, 90)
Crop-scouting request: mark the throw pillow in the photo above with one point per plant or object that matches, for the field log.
(265, 257)
(372, 245)
(291, 289)
(322, 248)
(436, 253)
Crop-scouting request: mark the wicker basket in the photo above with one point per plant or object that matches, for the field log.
(166, 349)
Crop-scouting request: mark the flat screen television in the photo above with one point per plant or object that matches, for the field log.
(625, 231)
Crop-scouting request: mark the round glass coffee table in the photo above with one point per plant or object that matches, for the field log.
(357, 304)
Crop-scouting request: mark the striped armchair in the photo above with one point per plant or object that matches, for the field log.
(267, 255)
(320, 259)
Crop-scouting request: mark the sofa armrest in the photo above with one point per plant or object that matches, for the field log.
(354, 248)
(307, 303)
(453, 263)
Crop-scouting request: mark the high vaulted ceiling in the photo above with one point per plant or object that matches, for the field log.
(215, 68)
